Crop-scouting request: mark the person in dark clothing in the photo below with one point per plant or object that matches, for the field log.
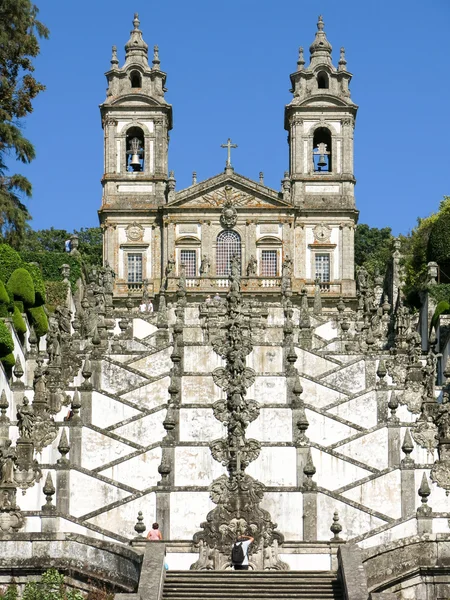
(244, 541)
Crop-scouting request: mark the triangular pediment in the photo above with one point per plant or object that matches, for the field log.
(242, 192)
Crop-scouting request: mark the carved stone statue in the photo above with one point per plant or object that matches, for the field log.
(25, 419)
(204, 265)
(362, 279)
(252, 266)
(8, 459)
(64, 316)
(170, 267)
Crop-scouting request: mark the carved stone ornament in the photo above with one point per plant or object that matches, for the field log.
(425, 434)
(135, 232)
(228, 217)
(440, 474)
(322, 233)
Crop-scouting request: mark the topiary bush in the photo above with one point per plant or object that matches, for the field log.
(38, 281)
(18, 321)
(4, 300)
(8, 361)
(21, 287)
(10, 260)
(38, 320)
(6, 341)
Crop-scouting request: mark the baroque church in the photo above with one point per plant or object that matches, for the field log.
(225, 373)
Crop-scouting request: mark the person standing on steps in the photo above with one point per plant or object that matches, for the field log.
(239, 552)
(154, 534)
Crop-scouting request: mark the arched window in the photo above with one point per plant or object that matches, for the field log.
(228, 245)
(135, 150)
(322, 150)
(322, 80)
(136, 79)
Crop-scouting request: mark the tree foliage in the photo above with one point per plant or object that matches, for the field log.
(19, 33)
(50, 587)
(53, 240)
(415, 250)
(373, 248)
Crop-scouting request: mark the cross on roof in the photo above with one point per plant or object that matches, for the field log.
(228, 145)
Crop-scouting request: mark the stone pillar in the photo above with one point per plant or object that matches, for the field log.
(163, 512)
(407, 467)
(393, 444)
(309, 501)
(424, 513)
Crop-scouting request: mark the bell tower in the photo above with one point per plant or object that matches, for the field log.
(136, 120)
(320, 120)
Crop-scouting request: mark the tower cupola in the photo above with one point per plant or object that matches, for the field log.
(320, 49)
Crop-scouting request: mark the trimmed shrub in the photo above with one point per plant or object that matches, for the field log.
(51, 263)
(8, 361)
(56, 292)
(39, 285)
(10, 260)
(6, 341)
(4, 300)
(21, 288)
(18, 321)
(38, 320)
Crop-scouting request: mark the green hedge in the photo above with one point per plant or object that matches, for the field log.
(21, 287)
(18, 321)
(38, 320)
(39, 285)
(6, 341)
(51, 263)
(10, 260)
(8, 361)
(4, 300)
(56, 293)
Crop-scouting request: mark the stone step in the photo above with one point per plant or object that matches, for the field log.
(252, 585)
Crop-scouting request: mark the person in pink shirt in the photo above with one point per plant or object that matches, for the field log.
(154, 533)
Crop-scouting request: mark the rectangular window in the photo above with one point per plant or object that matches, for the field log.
(323, 267)
(135, 268)
(269, 263)
(189, 259)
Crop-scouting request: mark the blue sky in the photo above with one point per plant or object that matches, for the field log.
(228, 66)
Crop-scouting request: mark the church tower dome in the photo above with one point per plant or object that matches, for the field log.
(136, 120)
(320, 120)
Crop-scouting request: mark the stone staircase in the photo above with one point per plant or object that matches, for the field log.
(252, 585)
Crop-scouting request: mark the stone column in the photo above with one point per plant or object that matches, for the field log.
(424, 512)
(162, 499)
(407, 467)
(309, 502)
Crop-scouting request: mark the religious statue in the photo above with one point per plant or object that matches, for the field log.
(252, 266)
(182, 280)
(362, 279)
(430, 375)
(108, 278)
(8, 459)
(204, 265)
(287, 266)
(25, 419)
(443, 419)
(170, 267)
(63, 315)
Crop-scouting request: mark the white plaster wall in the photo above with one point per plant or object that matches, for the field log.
(272, 425)
(199, 389)
(187, 511)
(286, 509)
(201, 359)
(307, 562)
(151, 395)
(107, 411)
(268, 390)
(199, 425)
(194, 465)
(266, 359)
(122, 519)
(275, 466)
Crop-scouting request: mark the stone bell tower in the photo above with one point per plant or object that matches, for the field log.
(320, 121)
(136, 120)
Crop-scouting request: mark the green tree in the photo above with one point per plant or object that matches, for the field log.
(91, 245)
(19, 33)
(373, 248)
(415, 251)
(50, 587)
(44, 240)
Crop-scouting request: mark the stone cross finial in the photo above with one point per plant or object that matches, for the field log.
(156, 62)
(228, 145)
(136, 21)
(320, 23)
(342, 62)
(261, 178)
(301, 59)
(114, 59)
(194, 177)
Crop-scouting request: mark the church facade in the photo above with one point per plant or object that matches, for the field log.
(152, 231)
(241, 404)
